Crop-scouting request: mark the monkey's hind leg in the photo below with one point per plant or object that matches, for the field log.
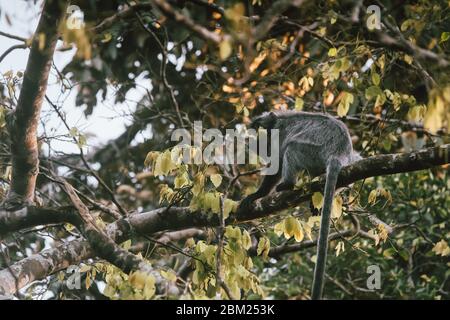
(294, 160)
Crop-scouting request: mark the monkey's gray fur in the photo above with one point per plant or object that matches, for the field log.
(317, 143)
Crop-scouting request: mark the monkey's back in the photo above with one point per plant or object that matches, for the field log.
(320, 137)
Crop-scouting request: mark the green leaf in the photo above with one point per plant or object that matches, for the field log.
(372, 92)
(444, 36)
(375, 78)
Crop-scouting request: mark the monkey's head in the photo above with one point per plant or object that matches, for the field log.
(266, 120)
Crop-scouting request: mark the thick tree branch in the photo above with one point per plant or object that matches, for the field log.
(24, 122)
(29, 217)
(41, 265)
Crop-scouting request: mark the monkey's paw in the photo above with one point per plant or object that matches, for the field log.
(284, 186)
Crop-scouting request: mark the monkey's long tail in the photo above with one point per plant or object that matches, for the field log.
(333, 168)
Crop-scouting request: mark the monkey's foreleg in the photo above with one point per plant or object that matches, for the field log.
(269, 181)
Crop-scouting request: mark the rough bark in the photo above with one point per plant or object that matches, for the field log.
(24, 122)
(41, 265)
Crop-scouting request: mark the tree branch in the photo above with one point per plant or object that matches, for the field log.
(204, 33)
(12, 36)
(23, 123)
(11, 49)
(41, 265)
(272, 15)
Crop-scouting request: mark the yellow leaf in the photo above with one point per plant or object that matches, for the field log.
(181, 180)
(339, 248)
(441, 248)
(344, 104)
(166, 162)
(263, 247)
(149, 287)
(434, 117)
(425, 278)
(308, 230)
(317, 200)
(372, 196)
(289, 226)
(84, 268)
(8, 74)
(417, 113)
(137, 279)
(257, 61)
(216, 179)
(299, 104)
(199, 183)
(225, 49)
(314, 220)
(408, 59)
(228, 207)
(126, 245)
(107, 37)
(332, 52)
(298, 232)
(279, 228)
(212, 202)
(149, 159)
(169, 275)
(246, 240)
(88, 280)
(336, 209)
